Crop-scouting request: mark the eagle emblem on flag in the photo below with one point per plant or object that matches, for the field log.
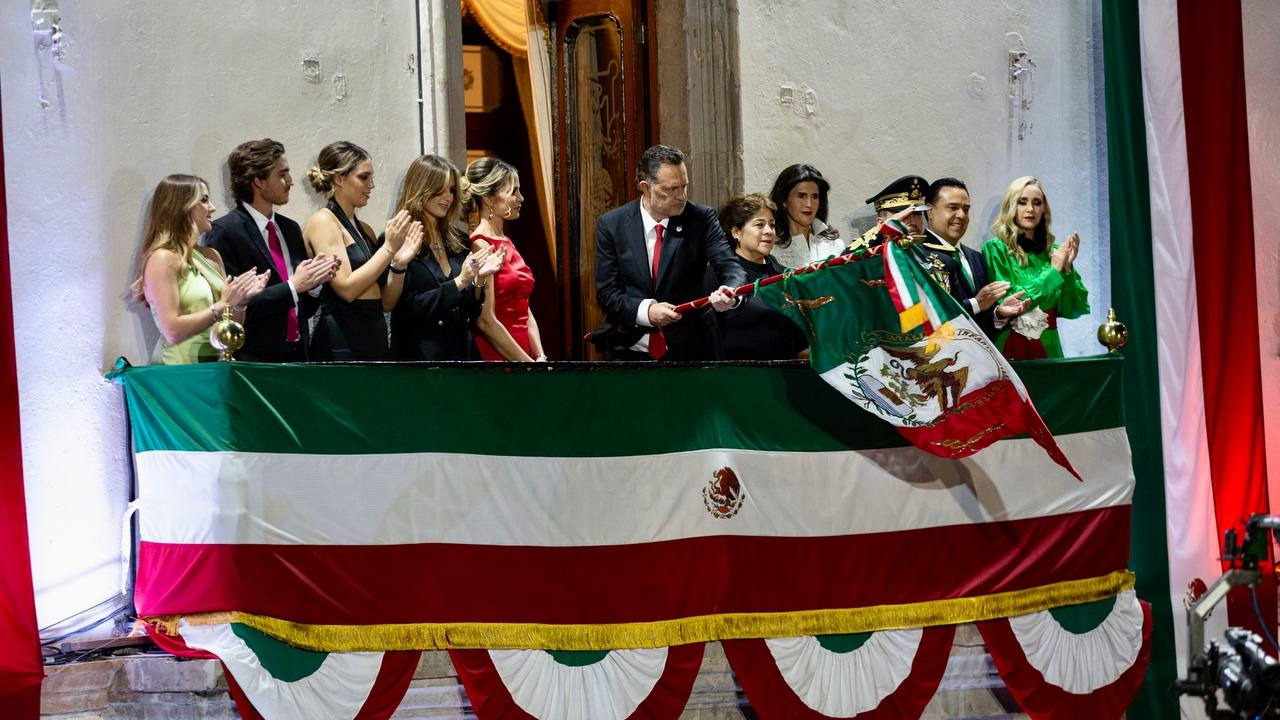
(723, 495)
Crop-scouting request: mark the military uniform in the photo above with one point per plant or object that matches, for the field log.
(900, 194)
(962, 272)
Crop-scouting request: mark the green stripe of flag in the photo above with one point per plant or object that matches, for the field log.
(1133, 294)
(561, 411)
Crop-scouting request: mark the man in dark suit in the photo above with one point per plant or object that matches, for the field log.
(254, 237)
(960, 269)
(651, 255)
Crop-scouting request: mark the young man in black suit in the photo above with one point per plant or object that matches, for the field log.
(964, 268)
(651, 255)
(254, 236)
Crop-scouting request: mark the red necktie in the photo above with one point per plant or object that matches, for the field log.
(657, 342)
(277, 257)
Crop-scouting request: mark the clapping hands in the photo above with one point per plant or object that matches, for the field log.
(398, 229)
(411, 243)
(1014, 305)
(1064, 256)
(240, 288)
(482, 263)
(316, 271)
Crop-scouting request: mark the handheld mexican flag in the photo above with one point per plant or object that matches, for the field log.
(888, 338)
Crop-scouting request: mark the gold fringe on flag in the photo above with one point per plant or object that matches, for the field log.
(530, 636)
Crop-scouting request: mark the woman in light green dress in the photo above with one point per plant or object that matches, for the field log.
(185, 285)
(1023, 254)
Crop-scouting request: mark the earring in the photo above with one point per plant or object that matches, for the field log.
(507, 214)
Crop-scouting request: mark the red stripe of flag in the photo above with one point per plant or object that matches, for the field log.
(352, 585)
(1211, 42)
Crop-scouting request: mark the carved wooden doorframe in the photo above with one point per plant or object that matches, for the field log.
(603, 125)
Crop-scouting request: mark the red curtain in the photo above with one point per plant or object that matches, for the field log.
(21, 669)
(1213, 94)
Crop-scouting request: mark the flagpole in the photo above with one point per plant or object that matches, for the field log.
(750, 288)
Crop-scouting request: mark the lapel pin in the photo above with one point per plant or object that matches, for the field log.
(679, 228)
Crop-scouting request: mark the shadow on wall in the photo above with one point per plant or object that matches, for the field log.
(141, 332)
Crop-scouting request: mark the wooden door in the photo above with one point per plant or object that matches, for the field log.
(602, 129)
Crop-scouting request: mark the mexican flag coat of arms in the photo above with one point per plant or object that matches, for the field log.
(884, 335)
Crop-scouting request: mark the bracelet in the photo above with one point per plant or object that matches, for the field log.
(390, 252)
(476, 282)
(397, 270)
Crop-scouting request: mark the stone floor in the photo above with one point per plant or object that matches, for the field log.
(156, 686)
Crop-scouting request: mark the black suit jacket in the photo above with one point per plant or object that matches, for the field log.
(432, 320)
(236, 237)
(624, 279)
(960, 289)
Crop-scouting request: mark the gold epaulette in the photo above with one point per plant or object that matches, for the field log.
(866, 240)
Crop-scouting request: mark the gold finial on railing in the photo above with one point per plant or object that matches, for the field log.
(1113, 333)
(227, 335)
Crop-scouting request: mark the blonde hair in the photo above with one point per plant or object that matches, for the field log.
(336, 160)
(484, 178)
(1006, 228)
(427, 177)
(169, 224)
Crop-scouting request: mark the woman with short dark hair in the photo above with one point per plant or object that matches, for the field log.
(754, 330)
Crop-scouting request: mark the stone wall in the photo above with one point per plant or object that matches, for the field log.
(985, 91)
(103, 99)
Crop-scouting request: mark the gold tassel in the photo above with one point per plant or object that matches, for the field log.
(531, 636)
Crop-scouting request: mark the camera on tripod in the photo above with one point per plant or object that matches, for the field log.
(1247, 675)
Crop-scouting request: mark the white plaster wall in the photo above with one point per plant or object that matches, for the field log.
(144, 89)
(1261, 20)
(887, 88)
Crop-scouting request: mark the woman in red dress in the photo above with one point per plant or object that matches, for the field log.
(506, 328)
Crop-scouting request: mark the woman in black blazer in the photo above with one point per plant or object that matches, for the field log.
(436, 297)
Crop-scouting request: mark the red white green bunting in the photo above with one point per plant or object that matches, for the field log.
(272, 680)
(887, 675)
(648, 683)
(1057, 672)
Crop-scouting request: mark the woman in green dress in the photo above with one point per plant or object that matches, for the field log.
(1023, 253)
(185, 285)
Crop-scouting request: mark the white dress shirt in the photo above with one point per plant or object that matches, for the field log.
(803, 251)
(650, 241)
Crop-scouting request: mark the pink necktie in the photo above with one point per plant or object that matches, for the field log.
(657, 341)
(277, 257)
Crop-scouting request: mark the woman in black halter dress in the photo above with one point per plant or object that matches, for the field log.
(351, 324)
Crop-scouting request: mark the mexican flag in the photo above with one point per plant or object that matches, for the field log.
(511, 511)
(888, 338)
